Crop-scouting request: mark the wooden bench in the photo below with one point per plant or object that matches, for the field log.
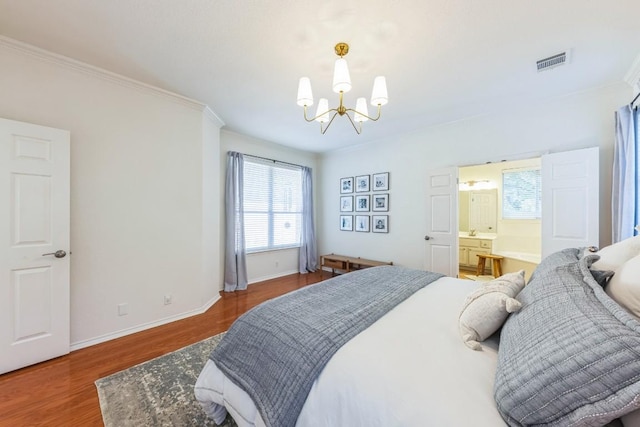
(348, 263)
(496, 262)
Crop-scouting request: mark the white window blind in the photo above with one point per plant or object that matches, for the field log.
(272, 204)
(521, 194)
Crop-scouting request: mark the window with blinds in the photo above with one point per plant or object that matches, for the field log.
(521, 194)
(272, 204)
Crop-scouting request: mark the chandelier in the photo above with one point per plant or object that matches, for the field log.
(341, 85)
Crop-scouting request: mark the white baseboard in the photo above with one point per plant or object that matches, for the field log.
(124, 332)
(128, 331)
(272, 276)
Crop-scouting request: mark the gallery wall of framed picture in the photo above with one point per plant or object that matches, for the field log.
(362, 199)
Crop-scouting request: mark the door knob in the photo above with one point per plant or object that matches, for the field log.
(58, 254)
(427, 238)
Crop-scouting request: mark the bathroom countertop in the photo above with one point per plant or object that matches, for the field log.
(489, 236)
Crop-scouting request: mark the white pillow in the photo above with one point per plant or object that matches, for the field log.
(624, 286)
(613, 256)
(486, 309)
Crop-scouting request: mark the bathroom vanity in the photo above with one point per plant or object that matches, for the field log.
(470, 246)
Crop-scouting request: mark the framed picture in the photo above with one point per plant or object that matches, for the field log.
(346, 222)
(380, 223)
(362, 203)
(362, 184)
(362, 223)
(346, 203)
(346, 185)
(380, 202)
(381, 181)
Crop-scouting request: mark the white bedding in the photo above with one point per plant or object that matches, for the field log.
(410, 368)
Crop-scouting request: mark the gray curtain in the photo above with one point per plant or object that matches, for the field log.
(235, 264)
(308, 252)
(626, 188)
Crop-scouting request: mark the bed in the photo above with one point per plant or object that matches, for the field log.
(410, 367)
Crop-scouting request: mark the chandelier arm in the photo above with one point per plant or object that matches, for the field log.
(354, 125)
(312, 119)
(341, 108)
(370, 118)
(330, 121)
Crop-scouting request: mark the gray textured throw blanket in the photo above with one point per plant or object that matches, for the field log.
(276, 350)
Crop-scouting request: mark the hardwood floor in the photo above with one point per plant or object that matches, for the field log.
(61, 392)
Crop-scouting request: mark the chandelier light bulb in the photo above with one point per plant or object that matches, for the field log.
(305, 96)
(322, 113)
(341, 78)
(361, 110)
(379, 93)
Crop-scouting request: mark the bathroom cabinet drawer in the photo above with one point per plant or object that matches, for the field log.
(469, 243)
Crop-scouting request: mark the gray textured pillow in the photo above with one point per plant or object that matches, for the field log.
(557, 259)
(571, 355)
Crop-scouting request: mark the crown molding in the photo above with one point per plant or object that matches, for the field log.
(633, 75)
(213, 117)
(101, 73)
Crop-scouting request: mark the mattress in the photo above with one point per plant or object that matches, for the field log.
(410, 368)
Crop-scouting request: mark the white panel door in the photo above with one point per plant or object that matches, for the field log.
(442, 222)
(570, 212)
(34, 225)
(483, 211)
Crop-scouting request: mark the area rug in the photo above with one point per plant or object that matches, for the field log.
(158, 392)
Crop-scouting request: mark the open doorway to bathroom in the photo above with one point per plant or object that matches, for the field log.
(499, 214)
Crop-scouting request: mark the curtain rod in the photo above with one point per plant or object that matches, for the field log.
(636, 98)
(274, 161)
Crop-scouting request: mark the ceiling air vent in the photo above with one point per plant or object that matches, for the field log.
(553, 61)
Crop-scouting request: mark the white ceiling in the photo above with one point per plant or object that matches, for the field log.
(444, 60)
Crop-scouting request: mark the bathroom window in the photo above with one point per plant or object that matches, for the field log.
(521, 194)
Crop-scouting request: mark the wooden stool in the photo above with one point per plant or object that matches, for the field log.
(496, 261)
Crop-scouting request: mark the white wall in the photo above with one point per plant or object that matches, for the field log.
(212, 210)
(266, 265)
(527, 130)
(143, 224)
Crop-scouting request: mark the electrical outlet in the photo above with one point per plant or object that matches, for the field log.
(277, 264)
(168, 299)
(123, 309)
